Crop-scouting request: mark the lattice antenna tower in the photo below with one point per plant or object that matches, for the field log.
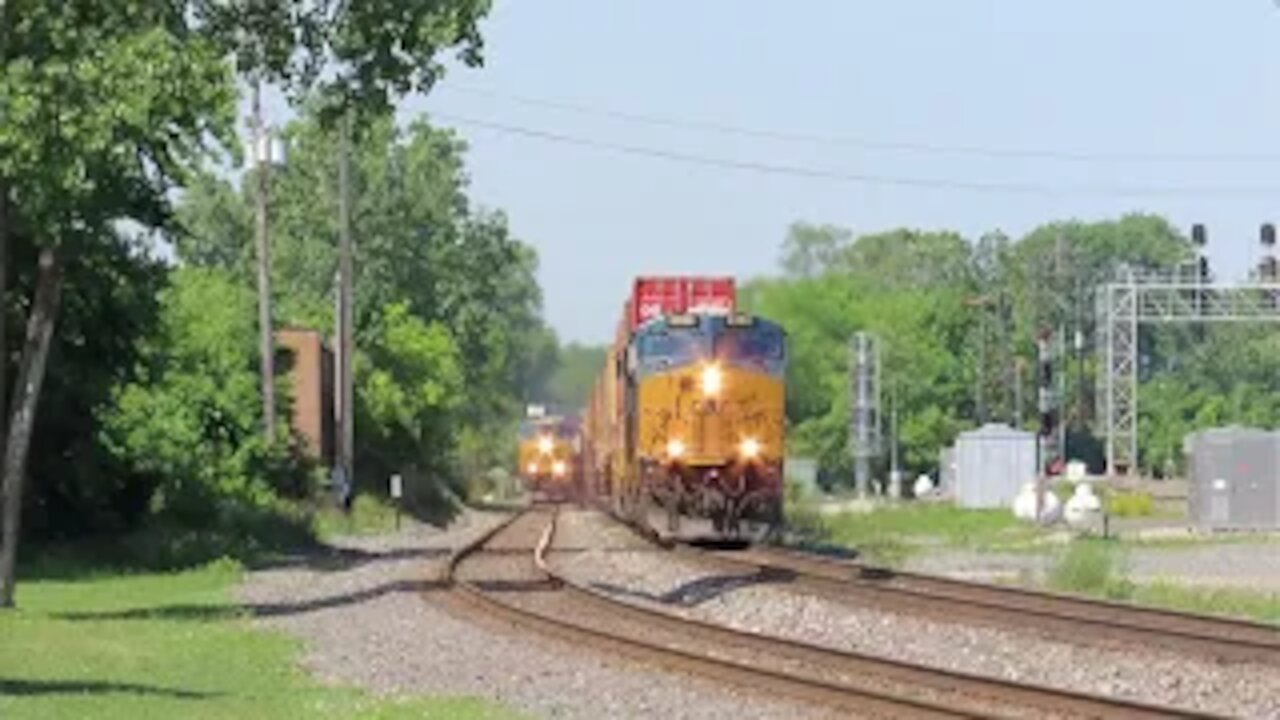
(864, 402)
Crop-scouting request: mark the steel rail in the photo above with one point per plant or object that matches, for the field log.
(1071, 616)
(965, 689)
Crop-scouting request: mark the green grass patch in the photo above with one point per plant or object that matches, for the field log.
(369, 515)
(897, 531)
(1091, 567)
(1131, 504)
(1097, 568)
(169, 645)
(1235, 602)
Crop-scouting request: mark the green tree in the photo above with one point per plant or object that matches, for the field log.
(422, 246)
(411, 389)
(906, 287)
(575, 375)
(190, 427)
(106, 107)
(109, 304)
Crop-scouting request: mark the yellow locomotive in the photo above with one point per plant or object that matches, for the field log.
(701, 427)
(548, 456)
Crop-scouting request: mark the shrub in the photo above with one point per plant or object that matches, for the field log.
(1091, 567)
(1131, 504)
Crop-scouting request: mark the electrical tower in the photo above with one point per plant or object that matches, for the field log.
(864, 418)
(1186, 295)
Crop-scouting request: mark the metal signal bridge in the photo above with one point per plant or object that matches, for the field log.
(1137, 297)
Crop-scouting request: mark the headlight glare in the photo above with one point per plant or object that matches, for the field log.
(712, 380)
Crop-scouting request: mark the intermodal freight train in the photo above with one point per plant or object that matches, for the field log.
(550, 456)
(687, 418)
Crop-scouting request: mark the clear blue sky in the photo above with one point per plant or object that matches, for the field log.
(1088, 76)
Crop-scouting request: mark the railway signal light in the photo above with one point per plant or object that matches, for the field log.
(1199, 236)
(1267, 234)
(1267, 269)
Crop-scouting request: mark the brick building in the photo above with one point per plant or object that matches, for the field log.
(306, 360)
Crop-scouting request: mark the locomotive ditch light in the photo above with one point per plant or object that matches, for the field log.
(557, 468)
(740, 320)
(749, 448)
(544, 445)
(712, 380)
(675, 448)
(533, 468)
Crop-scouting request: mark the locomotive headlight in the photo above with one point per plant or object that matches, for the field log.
(533, 468)
(712, 379)
(544, 445)
(557, 468)
(749, 448)
(675, 448)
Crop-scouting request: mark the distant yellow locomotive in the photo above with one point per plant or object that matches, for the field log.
(548, 456)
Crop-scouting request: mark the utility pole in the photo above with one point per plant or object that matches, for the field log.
(1018, 371)
(262, 166)
(4, 292)
(895, 479)
(346, 337)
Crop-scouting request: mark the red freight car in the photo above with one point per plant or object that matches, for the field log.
(653, 297)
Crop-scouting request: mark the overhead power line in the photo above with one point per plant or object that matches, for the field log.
(849, 177)
(864, 142)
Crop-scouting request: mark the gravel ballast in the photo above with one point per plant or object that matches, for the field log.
(701, 591)
(372, 617)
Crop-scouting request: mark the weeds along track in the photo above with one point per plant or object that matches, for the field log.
(504, 576)
(1071, 617)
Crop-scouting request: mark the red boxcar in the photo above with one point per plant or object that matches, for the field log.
(654, 297)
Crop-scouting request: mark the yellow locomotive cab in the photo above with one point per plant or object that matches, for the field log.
(710, 416)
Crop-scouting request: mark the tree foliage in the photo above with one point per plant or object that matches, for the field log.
(189, 426)
(424, 255)
(105, 108)
(958, 322)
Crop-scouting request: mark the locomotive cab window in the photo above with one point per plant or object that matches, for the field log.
(754, 344)
(661, 349)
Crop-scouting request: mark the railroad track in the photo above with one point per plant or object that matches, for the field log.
(1071, 617)
(490, 577)
(1068, 617)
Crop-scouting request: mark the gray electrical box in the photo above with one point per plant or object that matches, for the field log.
(992, 464)
(1235, 478)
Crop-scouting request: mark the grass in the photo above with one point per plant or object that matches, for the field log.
(370, 515)
(1236, 602)
(1096, 567)
(890, 534)
(1091, 567)
(1131, 504)
(169, 645)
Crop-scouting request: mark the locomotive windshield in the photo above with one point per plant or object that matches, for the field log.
(759, 346)
(554, 427)
(664, 348)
